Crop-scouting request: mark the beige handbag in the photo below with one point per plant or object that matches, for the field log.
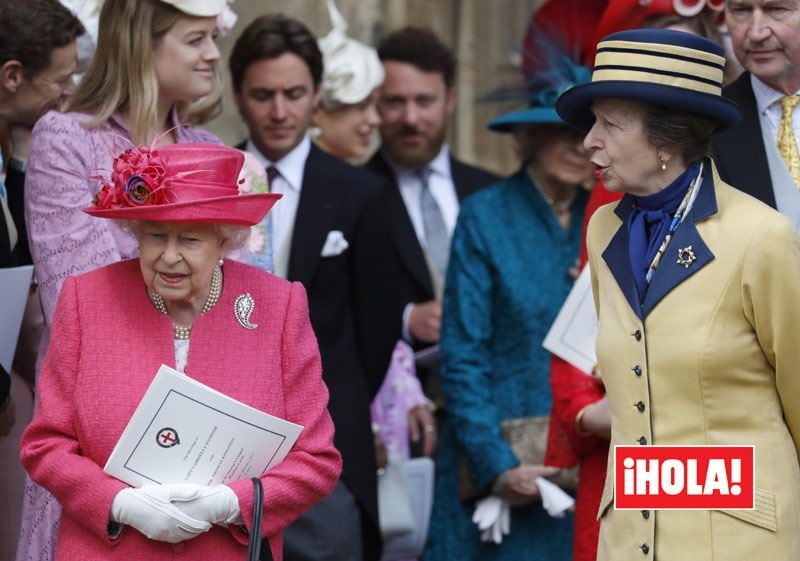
(527, 437)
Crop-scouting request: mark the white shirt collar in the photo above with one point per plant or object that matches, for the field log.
(291, 166)
(765, 95)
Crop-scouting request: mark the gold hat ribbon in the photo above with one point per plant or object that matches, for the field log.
(657, 63)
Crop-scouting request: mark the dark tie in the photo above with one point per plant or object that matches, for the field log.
(272, 173)
(435, 230)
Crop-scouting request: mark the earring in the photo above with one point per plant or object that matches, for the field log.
(220, 261)
(663, 163)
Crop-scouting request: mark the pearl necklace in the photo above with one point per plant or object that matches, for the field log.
(559, 207)
(182, 332)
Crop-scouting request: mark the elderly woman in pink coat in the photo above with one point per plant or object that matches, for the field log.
(176, 305)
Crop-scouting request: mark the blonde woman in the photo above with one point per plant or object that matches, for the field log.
(155, 69)
(347, 114)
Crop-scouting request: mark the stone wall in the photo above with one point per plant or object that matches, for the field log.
(484, 34)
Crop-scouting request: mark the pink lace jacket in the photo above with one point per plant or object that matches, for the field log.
(401, 391)
(65, 159)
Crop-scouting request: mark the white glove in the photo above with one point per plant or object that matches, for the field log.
(493, 517)
(554, 500)
(216, 505)
(150, 510)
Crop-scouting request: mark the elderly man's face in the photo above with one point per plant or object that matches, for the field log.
(766, 40)
(48, 89)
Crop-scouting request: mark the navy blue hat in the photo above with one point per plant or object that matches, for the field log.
(663, 67)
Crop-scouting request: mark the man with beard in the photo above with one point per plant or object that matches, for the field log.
(427, 182)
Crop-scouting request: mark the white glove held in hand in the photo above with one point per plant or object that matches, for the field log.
(150, 510)
(216, 505)
(554, 500)
(493, 517)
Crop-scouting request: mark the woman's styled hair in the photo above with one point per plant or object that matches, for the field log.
(122, 75)
(689, 132)
(703, 24)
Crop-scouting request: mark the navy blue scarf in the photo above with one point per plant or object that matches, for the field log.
(648, 225)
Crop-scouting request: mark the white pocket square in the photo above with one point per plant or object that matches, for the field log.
(335, 244)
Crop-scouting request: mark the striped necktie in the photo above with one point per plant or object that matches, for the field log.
(436, 234)
(787, 143)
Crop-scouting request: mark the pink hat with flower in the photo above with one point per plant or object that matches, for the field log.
(189, 182)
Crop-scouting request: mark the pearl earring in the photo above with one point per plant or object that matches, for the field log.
(663, 163)
(220, 261)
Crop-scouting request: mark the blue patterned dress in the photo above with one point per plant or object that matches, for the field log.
(508, 277)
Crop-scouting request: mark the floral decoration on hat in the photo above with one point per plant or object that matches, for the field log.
(138, 179)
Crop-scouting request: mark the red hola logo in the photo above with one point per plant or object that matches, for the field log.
(684, 477)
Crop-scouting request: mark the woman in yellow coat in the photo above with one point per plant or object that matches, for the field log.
(697, 288)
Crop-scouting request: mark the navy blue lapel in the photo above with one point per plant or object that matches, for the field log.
(670, 273)
(616, 256)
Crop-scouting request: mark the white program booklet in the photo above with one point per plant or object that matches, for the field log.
(184, 431)
(16, 283)
(572, 335)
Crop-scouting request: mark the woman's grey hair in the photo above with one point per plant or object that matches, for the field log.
(234, 235)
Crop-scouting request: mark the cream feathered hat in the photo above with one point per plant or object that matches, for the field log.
(199, 8)
(351, 69)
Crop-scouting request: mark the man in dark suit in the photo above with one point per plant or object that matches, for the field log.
(416, 100)
(328, 233)
(766, 40)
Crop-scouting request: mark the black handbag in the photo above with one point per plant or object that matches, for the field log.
(258, 549)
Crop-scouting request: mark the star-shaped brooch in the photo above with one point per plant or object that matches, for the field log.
(686, 257)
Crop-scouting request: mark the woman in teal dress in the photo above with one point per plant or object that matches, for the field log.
(509, 273)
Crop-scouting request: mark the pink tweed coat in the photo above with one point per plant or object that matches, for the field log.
(107, 343)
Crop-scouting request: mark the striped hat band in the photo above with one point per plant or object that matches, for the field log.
(659, 63)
